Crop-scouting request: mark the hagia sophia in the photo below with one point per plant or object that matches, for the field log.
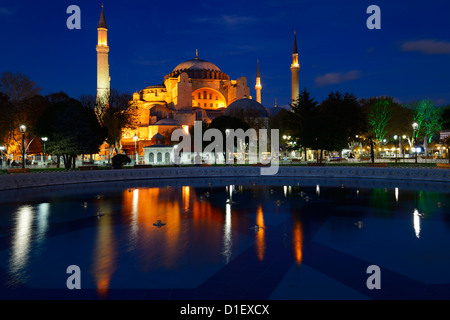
(195, 90)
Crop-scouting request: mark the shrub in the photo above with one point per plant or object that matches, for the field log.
(119, 160)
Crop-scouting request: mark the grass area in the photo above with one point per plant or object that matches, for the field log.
(411, 165)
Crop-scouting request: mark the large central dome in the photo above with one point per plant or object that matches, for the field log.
(198, 69)
(196, 64)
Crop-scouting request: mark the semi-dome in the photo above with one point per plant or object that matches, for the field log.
(167, 122)
(248, 108)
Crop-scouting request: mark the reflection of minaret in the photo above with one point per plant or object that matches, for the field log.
(295, 69)
(258, 86)
(297, 239)
(260, 239)
(104, 256)
(103, 79)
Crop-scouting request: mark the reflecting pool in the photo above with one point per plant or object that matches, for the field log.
(271, 238)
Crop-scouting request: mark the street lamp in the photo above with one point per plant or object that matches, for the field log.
(415, 127)
(395, 138)
(44, 139)
(2, 148)
(135, 138)
(23, 129)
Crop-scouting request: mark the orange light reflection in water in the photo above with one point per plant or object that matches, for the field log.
(104, 259)
(298, 242)
(186, 194)
(260, 239)
(174, 207)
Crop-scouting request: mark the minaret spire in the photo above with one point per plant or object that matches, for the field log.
(102, 21)
(295, 51)
(258, 86)
(196, 54)
(295, 70)
(103, 78)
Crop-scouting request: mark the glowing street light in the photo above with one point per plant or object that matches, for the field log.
(415, 126)
(135, 138)
(44, 139)
(395, 138)
(23, 129)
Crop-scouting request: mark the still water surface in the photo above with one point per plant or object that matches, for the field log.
(227, 239)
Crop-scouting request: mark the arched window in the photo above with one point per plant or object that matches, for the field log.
(199, 95)
(167, 158)
(210, 105)
(210, 96)
(205, 95)
(159, 157)
(151, 157)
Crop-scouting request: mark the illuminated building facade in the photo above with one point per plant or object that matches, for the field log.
(196, 90)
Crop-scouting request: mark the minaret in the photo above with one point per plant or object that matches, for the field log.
(258, 86)
(103, 78)
(295, 69)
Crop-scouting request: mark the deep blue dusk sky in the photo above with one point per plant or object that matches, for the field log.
(409, 58)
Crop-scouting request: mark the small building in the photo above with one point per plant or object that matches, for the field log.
(159, 155)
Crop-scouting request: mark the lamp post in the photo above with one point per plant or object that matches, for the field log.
(23, 129)
(44, 139)
(135, 138)
(227, 154)
(395, 138)
(401, 145)
(415, 127)
(2, 148)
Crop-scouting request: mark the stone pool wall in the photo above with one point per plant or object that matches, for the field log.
(17, 181)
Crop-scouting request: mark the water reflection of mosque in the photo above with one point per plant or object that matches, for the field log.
(179, 208)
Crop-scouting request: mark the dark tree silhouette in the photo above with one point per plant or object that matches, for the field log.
(72, 130)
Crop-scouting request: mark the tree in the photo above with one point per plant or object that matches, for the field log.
(20, 104)
(428, 117)
(285, 122)
(446, 118)
(348, 116)
(224, 123)
(72, 130)
(302, 110)
(378, 113)
(304, 105)
(120, 113)
(88, 100)
(6, 119)
(18, 86)
(322, 132)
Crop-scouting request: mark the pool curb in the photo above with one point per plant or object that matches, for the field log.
(30, 180)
